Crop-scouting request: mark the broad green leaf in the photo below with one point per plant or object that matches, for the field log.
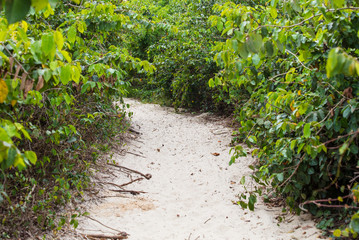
(31, 156)
(66, 56)
(280, 177)
(354, 224)
(71, 34)
(39, 4)
(254, 42)
(48, 46)
(269, 49)
(59, 39)
(211, 83)
(65, 74)
(339, 3)
(81, 26)
(75, 74)
(243, 52)
(331, 62)
(306, 130)
(16, 10)
(256, 60)
(273, 12)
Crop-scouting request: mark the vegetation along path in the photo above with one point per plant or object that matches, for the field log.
(191, 189)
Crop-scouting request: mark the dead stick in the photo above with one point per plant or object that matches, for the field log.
(134, 131)
(122, 233)
(147, 176)
(138, 155)
(125, 184)
(110, 183)
(128, 191)
(100, 236)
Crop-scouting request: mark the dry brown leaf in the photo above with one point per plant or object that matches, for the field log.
(17, 72)
(40, 83)
(23, 81)
(11, 62)
(29, 84)
(215, 154)
(306, 227)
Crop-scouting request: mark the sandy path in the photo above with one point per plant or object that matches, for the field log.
(190, 193)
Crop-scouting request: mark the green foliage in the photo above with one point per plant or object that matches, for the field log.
(176, 38)
(295, 62)
(59, 78)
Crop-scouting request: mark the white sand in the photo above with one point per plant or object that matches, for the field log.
(191, 191)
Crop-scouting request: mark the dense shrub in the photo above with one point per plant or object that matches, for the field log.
(301, 113)
(61, 69)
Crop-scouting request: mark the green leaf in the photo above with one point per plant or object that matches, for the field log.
(306, 130)
(269, 49)
(48, 46)
(39, 4)
(243, 52)
(65, 74)
(354, 224)
(16, 10)
(31, 156)
(251, 201)
(59, 39)
(256, 60)
(339, 3)
(71, 34)
(211, 83)
(280, 177)
(243, 180)
(254, 42)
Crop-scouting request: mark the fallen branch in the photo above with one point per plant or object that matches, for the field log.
(125, 184)
(134, 131)
(138, 155)
(319, 203)
(110, 183)
(128, 191)
(147, 176)
(119, 232)
(101, 236)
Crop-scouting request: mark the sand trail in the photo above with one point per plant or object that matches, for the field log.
(191, 190)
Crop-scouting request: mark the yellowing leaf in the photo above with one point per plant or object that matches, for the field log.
(39, 4)
(13, 102)
(24, 25)
(299, 92)
(3, 91)
(337, 233)
(59, 39)
(291, 106)
(340, 199)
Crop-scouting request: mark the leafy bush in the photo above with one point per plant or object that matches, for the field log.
(61, 70)
(301, 110)
(176, 38)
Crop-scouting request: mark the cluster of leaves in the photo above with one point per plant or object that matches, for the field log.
(61, 69)
(295, 61)
(176, 37)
